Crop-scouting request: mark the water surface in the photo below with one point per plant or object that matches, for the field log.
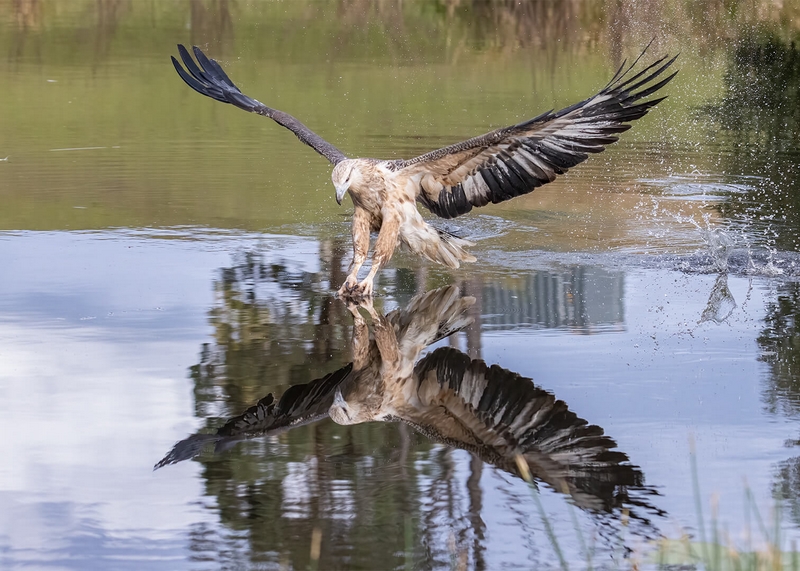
(168, 261)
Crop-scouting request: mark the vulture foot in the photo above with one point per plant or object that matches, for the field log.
(365, 287)
(356, 292)
(349, 288)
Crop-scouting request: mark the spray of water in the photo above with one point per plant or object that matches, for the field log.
(717, 243)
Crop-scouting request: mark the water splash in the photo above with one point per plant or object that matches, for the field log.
(718, 245)
(718, 242)
(720, 303)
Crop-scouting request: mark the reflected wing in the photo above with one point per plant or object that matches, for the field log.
(209, 79)
(497, 414)
(515, 160)
(300, 404)
(430, 317)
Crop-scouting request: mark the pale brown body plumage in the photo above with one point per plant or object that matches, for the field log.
(384, 201)
(450, 181)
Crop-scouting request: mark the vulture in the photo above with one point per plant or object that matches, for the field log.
(498, 415)
(450, 181)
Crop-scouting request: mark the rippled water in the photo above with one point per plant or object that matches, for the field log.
(168, 261)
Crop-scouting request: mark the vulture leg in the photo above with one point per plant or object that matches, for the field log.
(388, 347)
(360, 337)
(384, 248)
(361, 229)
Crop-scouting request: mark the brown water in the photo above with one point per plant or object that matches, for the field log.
(167, 261)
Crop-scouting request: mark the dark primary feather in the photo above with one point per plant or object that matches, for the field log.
(515, 160)
(209, 79)
(300, 404)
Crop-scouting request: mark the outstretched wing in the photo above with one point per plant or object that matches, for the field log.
(497, 415)
(209, 79)
(430, 317)
(300, 404)
(515, 160)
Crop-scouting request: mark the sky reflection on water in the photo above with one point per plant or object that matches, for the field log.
(107, 362)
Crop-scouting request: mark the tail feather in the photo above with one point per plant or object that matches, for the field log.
(456, 245)
(438, 245)
(432, 316)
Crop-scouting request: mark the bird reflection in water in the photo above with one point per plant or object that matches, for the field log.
(495, 414)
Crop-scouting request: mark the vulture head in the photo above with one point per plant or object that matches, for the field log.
(342, 413)
(345, 173)
(358, 401)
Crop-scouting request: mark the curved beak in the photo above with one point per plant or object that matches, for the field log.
(340, 190)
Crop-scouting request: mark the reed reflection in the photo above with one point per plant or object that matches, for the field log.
(495, 414)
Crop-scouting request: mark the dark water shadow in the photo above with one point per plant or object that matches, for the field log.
(779, 342)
